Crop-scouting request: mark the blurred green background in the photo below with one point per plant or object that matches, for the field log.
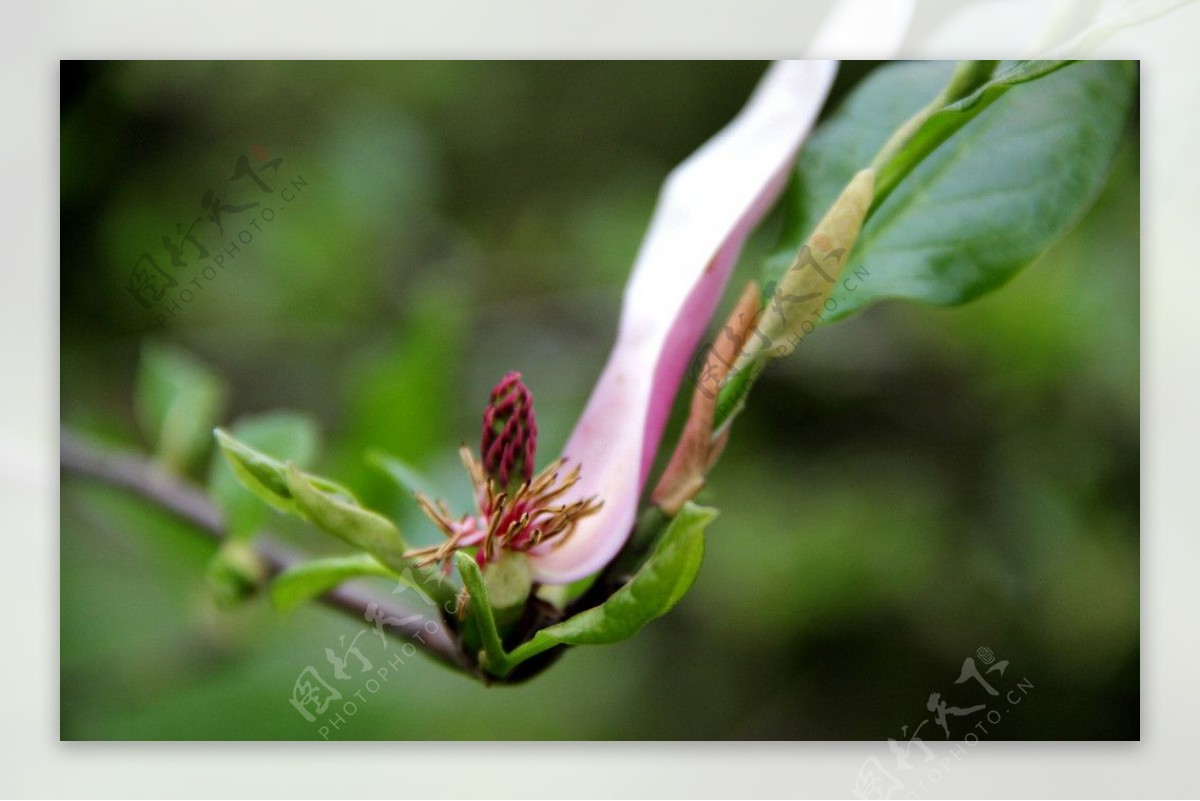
(910, 486)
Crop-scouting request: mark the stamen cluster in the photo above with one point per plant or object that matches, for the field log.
(517, 511)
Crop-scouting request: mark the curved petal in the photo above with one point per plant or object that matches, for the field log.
(707, 208)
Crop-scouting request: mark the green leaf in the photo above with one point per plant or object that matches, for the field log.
(177, 401)
(991, 197)
(498, 593)
(939, 126)
(407, 477)
(312, 579)
(329, 506)
(658, 585)
(266, 476)
(290, 436)
(479, 615)
(339, 514)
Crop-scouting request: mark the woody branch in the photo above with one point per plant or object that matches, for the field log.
(140, 476)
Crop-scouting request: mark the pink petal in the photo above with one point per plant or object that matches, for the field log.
(707, 208)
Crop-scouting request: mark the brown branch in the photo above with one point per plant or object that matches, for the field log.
(140, 476)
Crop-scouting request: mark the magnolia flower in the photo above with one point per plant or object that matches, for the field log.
(573, 518)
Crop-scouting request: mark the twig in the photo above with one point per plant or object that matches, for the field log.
(143, 478)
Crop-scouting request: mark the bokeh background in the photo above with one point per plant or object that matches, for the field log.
(911, 485)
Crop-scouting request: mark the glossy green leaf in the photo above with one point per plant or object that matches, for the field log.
(339, 514)
(657, 586)
(289, 436)
(177, 400)
(986, 202)
(313, 579)
(944, 122)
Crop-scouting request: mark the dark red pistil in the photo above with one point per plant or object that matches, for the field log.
(509, 444)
